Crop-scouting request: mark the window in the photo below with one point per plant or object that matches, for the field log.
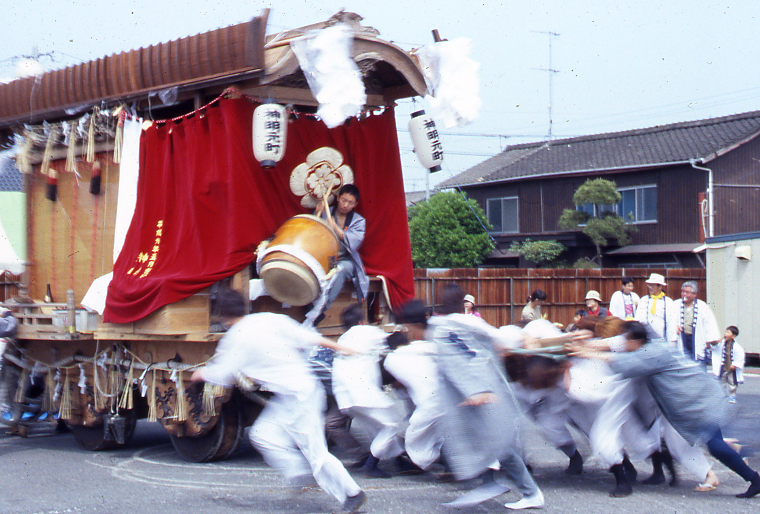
(595, 210)
(502, 214)
(639, 204)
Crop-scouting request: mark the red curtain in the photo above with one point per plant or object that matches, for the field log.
(204, 204)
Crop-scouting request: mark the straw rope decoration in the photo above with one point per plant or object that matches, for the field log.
(71, 154)
(90, 152)
(47, 155)
(127, 400)
(209, 399)
(22, 158)
(119, 138)
(181, 405)
(99, 398)
(48, 401)
(65, 407)
(152, 415)
(21, 388)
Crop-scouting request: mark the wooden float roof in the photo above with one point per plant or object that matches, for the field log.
(203, 65)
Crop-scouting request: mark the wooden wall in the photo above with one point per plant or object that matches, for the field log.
(541, 202)
(70, 240)
(501, 293)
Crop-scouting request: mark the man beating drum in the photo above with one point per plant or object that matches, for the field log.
(349, 226)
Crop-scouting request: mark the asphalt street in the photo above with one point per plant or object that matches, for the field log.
(48, 473)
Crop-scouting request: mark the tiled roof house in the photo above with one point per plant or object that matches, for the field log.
(662, 172)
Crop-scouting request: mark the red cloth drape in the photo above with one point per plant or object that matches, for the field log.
(204, 204)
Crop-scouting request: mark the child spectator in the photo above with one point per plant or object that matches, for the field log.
(728, 361)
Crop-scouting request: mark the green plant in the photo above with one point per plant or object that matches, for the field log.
(447, 231)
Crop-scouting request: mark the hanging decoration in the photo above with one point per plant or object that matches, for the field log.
(71, 140)
(95, 178)
(51, 185)
(90, 152)
(270, 122)
(121, 114)
(323, 173)
(451, 77)
(426, 141)
(334, 78)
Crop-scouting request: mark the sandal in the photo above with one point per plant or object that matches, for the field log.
(703, 488)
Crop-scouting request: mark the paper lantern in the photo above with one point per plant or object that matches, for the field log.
(426, 141)
(270, 122)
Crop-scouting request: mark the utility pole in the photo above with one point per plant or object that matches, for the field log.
(551, 71)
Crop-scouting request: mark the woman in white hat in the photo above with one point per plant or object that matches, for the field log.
(469, 305)
(593, 305)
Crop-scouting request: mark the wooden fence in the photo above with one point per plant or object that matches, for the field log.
(501, 293)
(8, 285)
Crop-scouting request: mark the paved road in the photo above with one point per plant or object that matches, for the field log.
(48, 473)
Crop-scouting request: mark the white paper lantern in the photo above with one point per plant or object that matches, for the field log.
(270, 123)
(426, 141)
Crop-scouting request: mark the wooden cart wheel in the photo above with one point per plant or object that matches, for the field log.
(95, 439)
(220, 442)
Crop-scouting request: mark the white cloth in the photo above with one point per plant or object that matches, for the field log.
(452, 80)
(618, 301)
(95, 298)
(657, 322)
(129, 169)
(271, 349)
(415, 366)
(334, 78)
(705, 328)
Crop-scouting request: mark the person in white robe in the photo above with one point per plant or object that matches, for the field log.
(271, 350)
(358, 388)
(415, 366)
(697, 328)
(657, 311)
(623, 303)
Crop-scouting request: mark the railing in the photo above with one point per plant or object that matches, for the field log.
(501, 293)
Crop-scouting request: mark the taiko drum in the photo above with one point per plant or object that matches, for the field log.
(287, 278)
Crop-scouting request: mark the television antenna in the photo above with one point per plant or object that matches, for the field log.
(551, 71)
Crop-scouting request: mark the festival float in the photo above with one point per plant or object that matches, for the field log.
(155, 176)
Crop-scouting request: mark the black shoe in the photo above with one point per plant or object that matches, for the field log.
(407, 467)
(754, 488)
(622, 487)
(630, 471)
(370, 469)
(359, 464)
(353, 503)
(575, 467)
(667, 459)
(657, 476)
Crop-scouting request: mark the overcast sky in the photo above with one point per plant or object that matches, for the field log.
(619, 65)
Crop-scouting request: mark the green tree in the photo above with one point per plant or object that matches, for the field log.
(540, 252)
(447, 232)
(604, 224)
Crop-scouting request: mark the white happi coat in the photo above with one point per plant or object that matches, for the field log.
(617, 303)
(705, 327)
(415, 366)
(657, 322)
(357, 381)
(272, 349)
